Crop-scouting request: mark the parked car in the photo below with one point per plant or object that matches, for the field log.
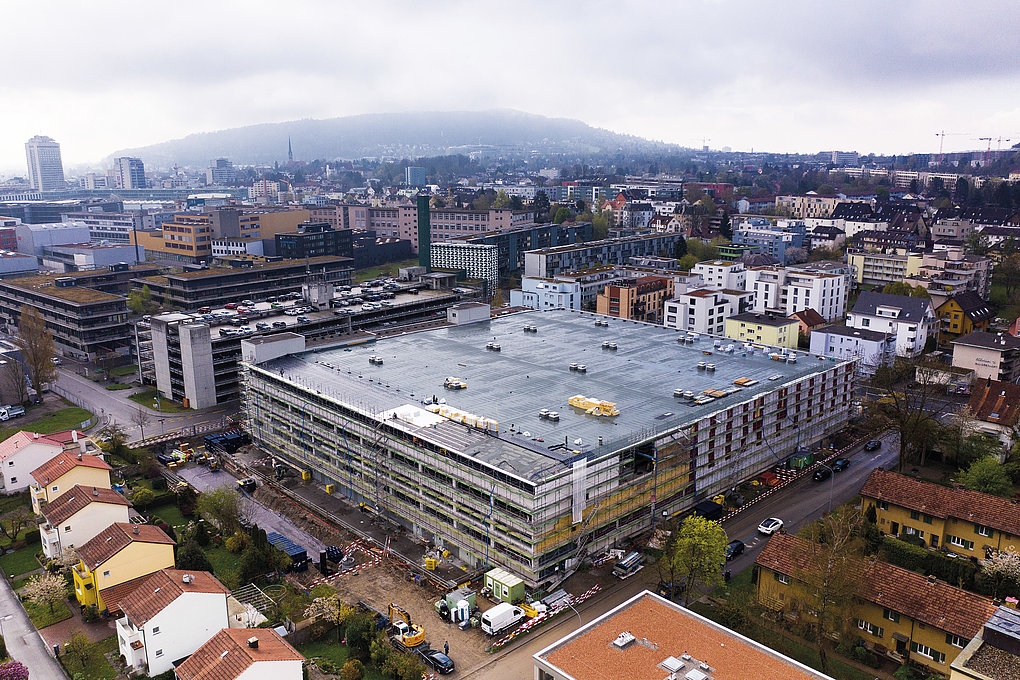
(230, 305)
(56, 361)
(279, 324)
(303, 319)
(840, 464)
(438, 661)
(262, 325)
(873, 445)
(734, 548)
(821, 474)
(204, 310)
(770, 526)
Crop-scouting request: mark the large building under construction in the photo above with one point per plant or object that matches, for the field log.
(533, 439)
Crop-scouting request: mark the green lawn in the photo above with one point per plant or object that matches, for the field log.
(171, 515)
(57, 421)
(327, 647)
(98, 668)
(118, 386)
(20, 561)
(124, 370)
(224, 565)
(42, 616)
(390, 269)
(148, 398)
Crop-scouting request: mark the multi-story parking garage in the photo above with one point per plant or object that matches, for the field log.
(513, 464)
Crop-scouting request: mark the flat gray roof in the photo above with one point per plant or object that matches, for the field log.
(532, 372)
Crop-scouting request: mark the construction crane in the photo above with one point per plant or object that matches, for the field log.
(942, 138)
(988, 151)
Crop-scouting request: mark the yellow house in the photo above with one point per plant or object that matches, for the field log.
(116, 561)
(963, 313)
(966, 522)
(897, 613)
(763, 328)
(62, 472)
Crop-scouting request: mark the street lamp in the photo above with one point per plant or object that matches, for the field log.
(579, 624)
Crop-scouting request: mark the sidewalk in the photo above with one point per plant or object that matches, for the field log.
(23, 641)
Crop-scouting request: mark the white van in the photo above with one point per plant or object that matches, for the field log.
(501, 617)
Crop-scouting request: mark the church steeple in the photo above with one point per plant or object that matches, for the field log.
(290, 151)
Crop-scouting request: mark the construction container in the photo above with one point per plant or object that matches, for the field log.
(504, 586)
(430, 563)
(800, 461)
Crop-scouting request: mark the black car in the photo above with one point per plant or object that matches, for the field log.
(873, 445)
(840, 464)
(822, 473)
(437, 660)
(734, 548)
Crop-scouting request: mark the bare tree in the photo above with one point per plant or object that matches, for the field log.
(36, 344)
(141, 418)
(12, 524)
(13, 375)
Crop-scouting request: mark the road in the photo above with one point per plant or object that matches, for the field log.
(115, 405)
(23, 641)
(798, 504)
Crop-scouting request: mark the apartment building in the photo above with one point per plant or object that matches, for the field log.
(763, 329)
(783, 290)
(315, 239)
(705, 310)
(962, 313)
(548, 262)
(77, 515)
(957, 223)
(952, 270)
(478, 261)
(579, 290)
(637, 299)
(218, 286)
(992, 356)
(719, 274)
(877, 269)
(116, 561)
(771, 239)
(811, 205)
(514, 243)
(682, 644)
(872, 349)
(911, 320)
(456, 474)
(898, 613)
(45, 168)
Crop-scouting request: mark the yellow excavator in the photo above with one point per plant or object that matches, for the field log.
(408, 634)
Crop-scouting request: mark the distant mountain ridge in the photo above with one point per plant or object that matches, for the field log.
(404, 135)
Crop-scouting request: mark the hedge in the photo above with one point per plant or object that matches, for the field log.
(952, 570)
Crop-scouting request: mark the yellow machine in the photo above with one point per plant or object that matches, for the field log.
(594, 407)
(408, 634)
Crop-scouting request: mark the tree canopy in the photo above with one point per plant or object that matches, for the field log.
(987, 476)
(694, 556)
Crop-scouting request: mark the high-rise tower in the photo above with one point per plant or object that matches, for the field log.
(45, 169)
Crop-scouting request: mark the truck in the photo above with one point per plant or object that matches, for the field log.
(631, 564)
(8, 412)
(501, 617)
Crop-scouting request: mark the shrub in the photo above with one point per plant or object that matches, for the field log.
(30, 536)
(3, 648)
(352, 670)
(236, 543)
(201, 534)
(955, 571)
(142, 498)
(159, 484)
(90, 614)
(13, 670)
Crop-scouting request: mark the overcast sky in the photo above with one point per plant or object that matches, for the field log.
(879, 77)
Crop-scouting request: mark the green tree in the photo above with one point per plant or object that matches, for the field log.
(80, 649)
(600, 226)
(331, 609)
(562, 215)
(140, 301)
(191, 557)
(541, 205)
(987, 475)
(898, 288)
(687, 262)
(224, 507)
(882, 194)
(695, 556)
(142, 498)
(37, 348)
(501, 200)
(359, 633)
(680, 249)
(352, 670)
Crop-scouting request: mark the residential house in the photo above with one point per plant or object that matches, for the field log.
(705, 310)
(771, 239)
(898, 613)
(872, 348)
(638, 299)
(968, 523)
(963, 312)
(785, 290)
(719, 274)
(21, 453)
(170, 616)
(826, 237)
(243, 654)
(62, 472)
(809, 320)
(767, 329)
(995, 407)
(910, 319)
(117, 560)
(77, 515)
(989, 355)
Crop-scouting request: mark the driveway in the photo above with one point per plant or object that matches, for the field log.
(23, 640)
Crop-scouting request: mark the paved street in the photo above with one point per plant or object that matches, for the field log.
(797, 504)
(120, 409)
(23, 641)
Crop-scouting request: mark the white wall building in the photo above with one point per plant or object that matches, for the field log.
(547, 294)
(785, 291)
(20, 454)
(911, 320)
(169, 616)
(79, 515)
(705, 310)
(32, 238)
(719, 274)
(254, 653)
(873, 348)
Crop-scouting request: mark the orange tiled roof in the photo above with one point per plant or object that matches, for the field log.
(20, 440)
(115, 538)
(160, 589)
(996, 402)
(63, 462)
(227, 655)
(70, 502)
(942, 501)
(930, 601)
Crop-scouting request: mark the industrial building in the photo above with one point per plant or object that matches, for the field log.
(533, 439)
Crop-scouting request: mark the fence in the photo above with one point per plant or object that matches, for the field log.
(82, 404)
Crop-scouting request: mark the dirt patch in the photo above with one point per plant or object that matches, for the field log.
(286, 507)
(387, 582)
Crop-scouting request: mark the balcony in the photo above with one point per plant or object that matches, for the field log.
(131, 643)
(50, 540)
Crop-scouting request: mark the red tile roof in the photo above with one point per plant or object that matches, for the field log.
(930, 601)
(114, 595)
(162, 588)
(808, 317)
(64, 462)
(942, 501)
(115, 538)
(227, 655)
(995, 402)
(77, 498)
(20, 440)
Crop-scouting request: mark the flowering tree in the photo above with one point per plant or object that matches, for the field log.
(47, 589)
(13, 670)
(1003, 568)
(330, 609)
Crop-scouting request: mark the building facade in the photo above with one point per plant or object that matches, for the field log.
(719, 274)
(872, 348)
(548, 262)
(910, 320)
(476, 260)
(992, 356)
(767, 329)
(45, 168)
(637, 299)
(130, 173)
(705, 310)
(783, 290)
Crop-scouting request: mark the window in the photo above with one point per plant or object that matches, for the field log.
(914, 514)
(891, 615)
(155, 630)
(53, 489)
(14, 480)
(932, 654)
(159, 653)
(10, 462)
(106, 573)
(869, 628)
(961, 542)
(982, 530)
(955, 640)
(882, 505)
(782, 578)
(67, 529)
(927, 519)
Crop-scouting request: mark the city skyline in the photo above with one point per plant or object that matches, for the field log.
(871, 77)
